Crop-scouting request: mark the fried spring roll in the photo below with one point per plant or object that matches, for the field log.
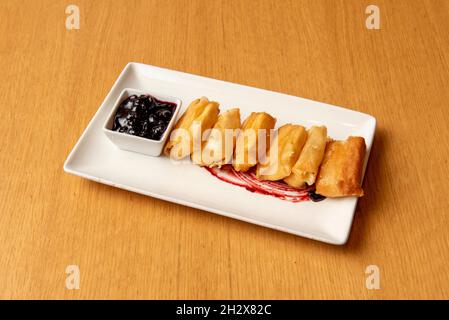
(283, 153)
(253, 140)
(341, 171)
(219, 148)
(199, 116)
(306, 168)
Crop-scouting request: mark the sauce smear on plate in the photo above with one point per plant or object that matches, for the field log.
(249, 181)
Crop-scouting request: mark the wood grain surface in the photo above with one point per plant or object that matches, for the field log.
(131, 246)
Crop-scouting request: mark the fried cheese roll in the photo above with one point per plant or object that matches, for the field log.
(219, 148)
(253, 140)
(340, 174)
(306, 168)
(199, 116)
(283, 153)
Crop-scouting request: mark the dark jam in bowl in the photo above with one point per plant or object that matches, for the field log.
(143, 116)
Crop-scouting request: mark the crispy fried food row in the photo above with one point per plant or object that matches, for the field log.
(201, 115)
(293, 154)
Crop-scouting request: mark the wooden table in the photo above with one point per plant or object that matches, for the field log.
(131, 246)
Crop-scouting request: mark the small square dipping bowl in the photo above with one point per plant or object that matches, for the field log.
(138, 144)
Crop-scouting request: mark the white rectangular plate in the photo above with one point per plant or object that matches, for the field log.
(95, 157)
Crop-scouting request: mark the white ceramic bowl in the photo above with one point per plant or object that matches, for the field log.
(135, 143)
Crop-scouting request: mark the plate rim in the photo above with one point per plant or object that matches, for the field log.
(371, 121)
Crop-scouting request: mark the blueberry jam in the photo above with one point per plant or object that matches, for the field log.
(315, 197)
(143, 116)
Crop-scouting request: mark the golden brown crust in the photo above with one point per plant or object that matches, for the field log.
(248, 143)
(341, 171)
(199, 116)
(283, 153)
(219, 148)
(306, 168)
(297, 159)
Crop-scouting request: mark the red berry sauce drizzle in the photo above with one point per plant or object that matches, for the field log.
(249, 181)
